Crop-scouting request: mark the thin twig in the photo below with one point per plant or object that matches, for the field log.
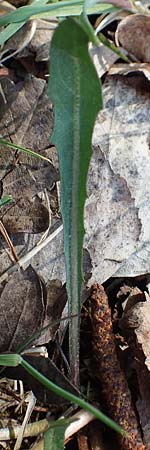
(8, 241)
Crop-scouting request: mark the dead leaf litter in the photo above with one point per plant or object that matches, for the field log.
(115, 316)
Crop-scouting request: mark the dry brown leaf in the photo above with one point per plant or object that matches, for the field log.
(26, 117)
(117, 212)
(18, 41)
(26, 216)
(82, 439)
(55, 302)
(26, 120)
(135, 296)
(138, 318)
(26, 306)
(40, 43)
(133, 33)
(31, 41)
(21, 308)
(124, 69)
(135, 325)
(102, 58)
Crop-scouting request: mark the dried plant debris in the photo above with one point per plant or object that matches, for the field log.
(26, 117)
(47, 368)
(117, 212)
(39, 45)
(114, 385)
(135, 296)
(28, 305)
(27, 121)
(125, 69)
(28, 215)
(17, 42)
(103, 58)
(135, 326)
(133, 33)
(21, 308)
(56, 298)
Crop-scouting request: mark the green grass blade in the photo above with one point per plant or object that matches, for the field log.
(23, 149)
(112, 47)
(10, 360)
(5, 200)
(12, 28)
(13, 360)
(54, 437)
(63, 8)
(75, 91)
(71, 397)
(9, 31)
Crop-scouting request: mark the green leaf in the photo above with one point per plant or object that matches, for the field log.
(9, 31)
(5, 200)
(71, 397)
(12, 28)
(54, 437)
(112, 47)
(10, 360)
(75, 91)
(59, 9)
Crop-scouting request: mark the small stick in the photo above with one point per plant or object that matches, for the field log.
(8, 241)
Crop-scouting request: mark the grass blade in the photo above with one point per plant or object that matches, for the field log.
(9, 31)
(5, 200)
(10, 360)
(23, 149)
(71, 397)
(54, 436)
(63, 8)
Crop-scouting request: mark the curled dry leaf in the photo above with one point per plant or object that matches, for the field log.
(133, 33)
(114, 385)
(135, 296)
